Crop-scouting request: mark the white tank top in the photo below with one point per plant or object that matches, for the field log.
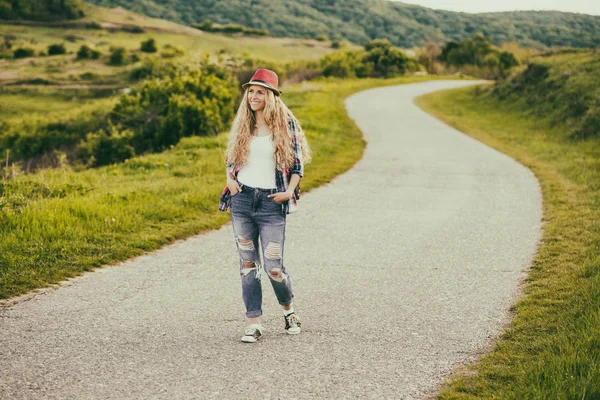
(259, 171)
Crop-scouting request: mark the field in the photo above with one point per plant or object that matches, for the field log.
(61, 82)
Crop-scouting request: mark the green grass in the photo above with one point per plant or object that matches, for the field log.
(57, 223)
(16, 102)
(552, 349)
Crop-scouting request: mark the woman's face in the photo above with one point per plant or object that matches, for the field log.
(257, 97)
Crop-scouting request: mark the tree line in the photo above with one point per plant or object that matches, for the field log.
(358, 21)
(40, 10)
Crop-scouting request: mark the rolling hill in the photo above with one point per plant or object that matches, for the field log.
(361, 20)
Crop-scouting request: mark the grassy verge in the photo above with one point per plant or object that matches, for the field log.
(552, 349)
(58, 223)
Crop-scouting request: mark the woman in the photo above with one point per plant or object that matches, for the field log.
(265, 162)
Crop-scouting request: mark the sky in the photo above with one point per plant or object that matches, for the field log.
(475, 6)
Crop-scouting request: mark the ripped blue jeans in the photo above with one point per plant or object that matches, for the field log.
(255, 216)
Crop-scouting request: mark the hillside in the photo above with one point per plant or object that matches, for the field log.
(40, 10)
(103, 29)
(562, 86)
(361, 20)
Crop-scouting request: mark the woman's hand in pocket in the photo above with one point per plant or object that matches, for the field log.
(234, 186)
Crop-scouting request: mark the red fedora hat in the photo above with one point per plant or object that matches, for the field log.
(266, 78)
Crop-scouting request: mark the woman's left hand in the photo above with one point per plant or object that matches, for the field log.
(280, 197)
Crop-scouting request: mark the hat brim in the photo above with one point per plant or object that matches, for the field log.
(263, 84)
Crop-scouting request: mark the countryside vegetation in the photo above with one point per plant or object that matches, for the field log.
(113, 127)
(546, 116)
(360, 21)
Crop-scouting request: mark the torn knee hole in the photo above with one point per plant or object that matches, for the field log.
(273, 251)
(275, 272)
(245, 244)
(250, 266)
(276, 275)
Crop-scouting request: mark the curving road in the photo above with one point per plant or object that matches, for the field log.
(404, 268)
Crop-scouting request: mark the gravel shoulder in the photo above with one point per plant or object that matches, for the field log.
(403, 269)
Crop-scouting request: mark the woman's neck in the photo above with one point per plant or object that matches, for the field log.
(260, 119)
(260, 127)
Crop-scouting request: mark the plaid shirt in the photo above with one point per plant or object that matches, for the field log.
(282, 178)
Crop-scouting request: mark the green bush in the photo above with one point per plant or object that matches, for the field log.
(149, 46)
(56, 49)
(23, 52)
(508, 60)
(86, 52)
(210, 26)
(478, 52)
(152, 68)
(207, 25)
(197, 102)
(103, 148)
(133, 29)
(382, 60)
(342, 64)
(170, 51)
(118, 56)
(88, 76)
(191, 101)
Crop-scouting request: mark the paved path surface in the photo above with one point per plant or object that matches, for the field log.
(403, 268)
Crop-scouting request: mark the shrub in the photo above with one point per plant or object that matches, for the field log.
(197, 102)
(103, 148)
(207, 25)
(508, 60)
(133, 29)
(152, 68)
(23, 52)
(86, 52)
(383, 60)
(93, 25)
(56, 49)
(117, 56)
(232, 28)
(71, 38)
(170, 51)
(343, 64)
(322, 38)
(88, 76)
(149, 46)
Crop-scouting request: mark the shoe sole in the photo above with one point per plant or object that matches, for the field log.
(292, 333)
(249, 339)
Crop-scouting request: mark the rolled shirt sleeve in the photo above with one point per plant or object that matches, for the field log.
(298, 166)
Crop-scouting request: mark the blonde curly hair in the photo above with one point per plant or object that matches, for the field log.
(276, 116)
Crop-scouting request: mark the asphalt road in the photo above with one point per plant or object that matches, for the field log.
(403, 268)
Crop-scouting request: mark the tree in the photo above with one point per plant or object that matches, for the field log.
(86, 52)
(56, 49)
(117, 56)
(149, 46)
(23, 52)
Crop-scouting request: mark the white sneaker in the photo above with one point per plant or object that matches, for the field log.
(252, 333)
(292, 324)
